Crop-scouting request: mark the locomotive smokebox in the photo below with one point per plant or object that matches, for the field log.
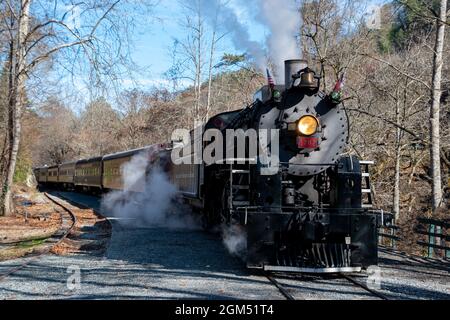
(292, 67)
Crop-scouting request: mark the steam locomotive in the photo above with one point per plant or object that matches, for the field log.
(304, 206)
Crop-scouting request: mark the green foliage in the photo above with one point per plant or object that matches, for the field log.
(413, 19)
(231, 60)
(396, 38)
(31, 243)
(23, 167)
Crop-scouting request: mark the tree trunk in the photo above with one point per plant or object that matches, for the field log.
(398, 154)
(16, 105)
(210, 74)
(7, 138)
(435, 112)
(200, 61)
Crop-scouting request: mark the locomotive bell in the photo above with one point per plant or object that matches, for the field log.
(307, 79)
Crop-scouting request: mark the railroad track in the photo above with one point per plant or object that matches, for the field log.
(68, 221)
(365, 287)
(280, 287)
(285, 292)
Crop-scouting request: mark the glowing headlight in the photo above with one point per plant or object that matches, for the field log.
(308, 125)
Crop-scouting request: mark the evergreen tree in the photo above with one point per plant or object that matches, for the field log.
(412, 21)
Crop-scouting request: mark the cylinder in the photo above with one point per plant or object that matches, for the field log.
(292, 67)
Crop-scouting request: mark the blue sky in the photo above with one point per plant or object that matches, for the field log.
(152, 43)
(153, 38)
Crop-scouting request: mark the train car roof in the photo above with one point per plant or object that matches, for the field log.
(72, 163)
(43, 167)
(53, 167)
(124, 154)
(90, 160)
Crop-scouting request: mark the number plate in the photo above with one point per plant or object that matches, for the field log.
(307, 142)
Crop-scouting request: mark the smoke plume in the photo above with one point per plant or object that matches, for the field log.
(283, 21)
(280, 17)
(219, 13)
(155, 207)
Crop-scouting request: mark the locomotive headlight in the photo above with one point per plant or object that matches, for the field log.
(308, 125)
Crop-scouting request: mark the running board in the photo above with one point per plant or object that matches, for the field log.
(312, 270)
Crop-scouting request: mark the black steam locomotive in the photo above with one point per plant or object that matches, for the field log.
(304, 206)
(310, 209)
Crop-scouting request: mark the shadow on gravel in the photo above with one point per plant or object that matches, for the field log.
(164, 253)
(413, 260)
(157, 260)
(164, 248)
(49, 282)
(405, 292)
(418, 267)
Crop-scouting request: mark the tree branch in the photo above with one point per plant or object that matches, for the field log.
(55, 49)
(397, 69)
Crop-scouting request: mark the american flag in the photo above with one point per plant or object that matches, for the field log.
(340, 84)
(270, 79)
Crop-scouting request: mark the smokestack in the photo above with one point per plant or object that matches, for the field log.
(292, 67)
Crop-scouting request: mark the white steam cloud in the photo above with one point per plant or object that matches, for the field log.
(283, 20)
(219, 13)
(235, 240)
(155, 207)
(280, 17)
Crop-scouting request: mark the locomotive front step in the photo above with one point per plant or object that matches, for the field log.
(313, 270)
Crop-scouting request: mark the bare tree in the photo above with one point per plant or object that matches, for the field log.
(328, 38)
(95, 39)
(215, 39)
(133, 119)
(195, 55)
(188, 53)
(16, 100)
(98, 129)
(436, 94)
(57, 126)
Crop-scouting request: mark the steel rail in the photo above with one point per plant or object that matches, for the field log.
(282, 290)
(46, 251)
(363, 286)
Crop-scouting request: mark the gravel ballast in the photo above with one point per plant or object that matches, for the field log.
(162, 263)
